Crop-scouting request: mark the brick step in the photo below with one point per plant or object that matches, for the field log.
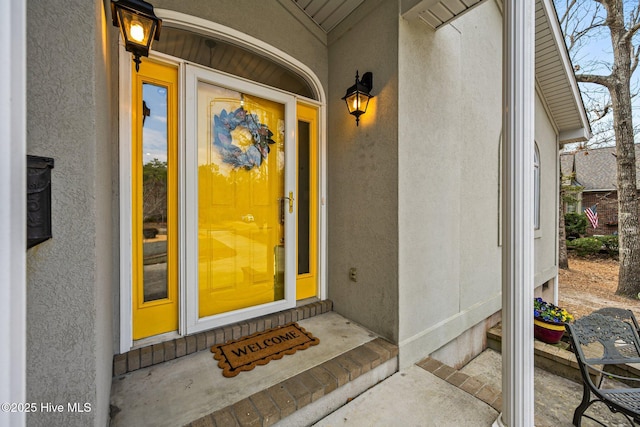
(155, 354)
(313, 394)
(474, 386)
(299, 389)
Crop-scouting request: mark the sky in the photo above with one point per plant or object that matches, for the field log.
(154, 132)
(595, 56)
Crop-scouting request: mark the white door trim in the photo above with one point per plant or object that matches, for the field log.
(124, 160)
(189, 241)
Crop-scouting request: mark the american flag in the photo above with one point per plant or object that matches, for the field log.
(592, 215)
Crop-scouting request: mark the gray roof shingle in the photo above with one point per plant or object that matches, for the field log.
(595, 168)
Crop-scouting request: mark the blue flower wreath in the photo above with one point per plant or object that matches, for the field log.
(253, 156)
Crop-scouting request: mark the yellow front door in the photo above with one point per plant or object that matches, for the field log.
(240, 193)
(155, 208)
(248, 207)
(244, 224)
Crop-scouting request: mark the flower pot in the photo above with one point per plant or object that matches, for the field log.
(551, 333)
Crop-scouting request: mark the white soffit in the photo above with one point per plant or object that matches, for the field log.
(436, 13)
(328, 13)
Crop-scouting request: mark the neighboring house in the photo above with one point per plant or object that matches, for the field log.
(410, 198)
(595, 171)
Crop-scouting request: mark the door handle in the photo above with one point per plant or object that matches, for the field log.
(282, 199)
(290, 201)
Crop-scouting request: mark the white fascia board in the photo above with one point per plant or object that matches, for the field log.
(556, 32)
(574, 135)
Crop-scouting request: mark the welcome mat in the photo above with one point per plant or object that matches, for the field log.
(261, 348)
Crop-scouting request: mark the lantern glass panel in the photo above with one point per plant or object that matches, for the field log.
(364, 102)
(357, 102)
(352, 102)
(136, 29)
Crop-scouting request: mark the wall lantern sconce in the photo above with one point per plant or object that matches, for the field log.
(358, 95)
(138, 24)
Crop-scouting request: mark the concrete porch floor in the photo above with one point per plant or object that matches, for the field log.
(184, 390)
(192, 391)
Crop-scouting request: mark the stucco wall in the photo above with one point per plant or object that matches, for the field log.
(449, 143)
(69, 278)
(363, 171)
(546, 238)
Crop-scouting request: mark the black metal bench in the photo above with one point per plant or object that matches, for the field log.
(620, 314)
(599, 341)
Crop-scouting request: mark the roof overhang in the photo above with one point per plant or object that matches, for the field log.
(436, 13)
(554, 72)
(556, 78)
(328, 13)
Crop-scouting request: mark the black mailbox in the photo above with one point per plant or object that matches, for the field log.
(38, 199)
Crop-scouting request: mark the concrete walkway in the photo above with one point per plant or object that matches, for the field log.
(555, 397)
(418, 397)
(413, 397)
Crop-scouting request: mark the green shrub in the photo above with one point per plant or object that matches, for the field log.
(610, 243)
(575, 224)
(585, 245)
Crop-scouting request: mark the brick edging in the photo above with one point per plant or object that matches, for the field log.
(269, 406)
(471, 385)
(173, 349)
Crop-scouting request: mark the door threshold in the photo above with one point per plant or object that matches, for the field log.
(156, 339)
(173, 348)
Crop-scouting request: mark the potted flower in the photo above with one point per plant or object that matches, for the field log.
(548, 321)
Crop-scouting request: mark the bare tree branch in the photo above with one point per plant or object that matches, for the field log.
(634, 60)
(601, 113)
(567, 10)
(594, 78)
(617, 127)
(634, 22)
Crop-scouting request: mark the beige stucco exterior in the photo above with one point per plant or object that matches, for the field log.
(413, 192)
(449, 241)
(70, 277)
(363, 175)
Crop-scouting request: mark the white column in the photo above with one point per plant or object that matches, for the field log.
(12, 208)
(517, 249)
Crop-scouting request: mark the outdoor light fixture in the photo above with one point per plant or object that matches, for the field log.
(358, 95)
(138, 24)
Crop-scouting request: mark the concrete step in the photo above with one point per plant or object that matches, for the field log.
(298, 389)
(313, 394)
